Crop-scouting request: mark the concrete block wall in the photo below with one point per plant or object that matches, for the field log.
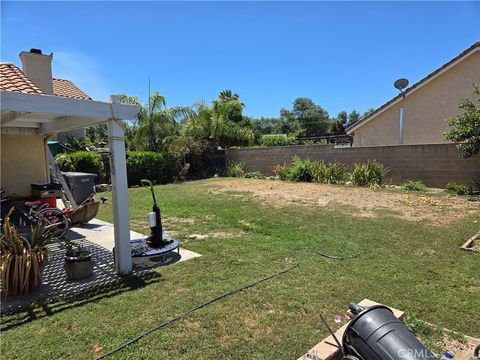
(435, 164)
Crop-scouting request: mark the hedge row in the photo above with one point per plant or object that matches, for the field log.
(81, 161)
(161, 168)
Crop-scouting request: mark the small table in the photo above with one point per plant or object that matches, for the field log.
(140, 247)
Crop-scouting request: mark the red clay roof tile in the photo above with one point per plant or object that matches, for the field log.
(14, 80)
(66, 88)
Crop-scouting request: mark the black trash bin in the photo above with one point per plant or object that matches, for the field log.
(81, 185)
(376, 334)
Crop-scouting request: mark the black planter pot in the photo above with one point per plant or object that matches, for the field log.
(79, 267)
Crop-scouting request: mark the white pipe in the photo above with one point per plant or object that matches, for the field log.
(402, 123)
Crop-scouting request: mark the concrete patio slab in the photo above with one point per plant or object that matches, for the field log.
(101, 233)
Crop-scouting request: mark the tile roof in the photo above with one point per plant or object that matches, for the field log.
(14, 80)
(419, 83)
(66, 88)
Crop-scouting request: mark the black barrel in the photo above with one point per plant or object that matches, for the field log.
(376, 334)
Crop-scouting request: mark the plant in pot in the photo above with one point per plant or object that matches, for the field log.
(78, 261)
(23, 256)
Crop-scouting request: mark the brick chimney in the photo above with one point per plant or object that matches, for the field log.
(38, 67)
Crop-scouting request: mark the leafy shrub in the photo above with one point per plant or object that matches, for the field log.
(302, 170)
(370, 173)
(236, 169)
(64, 162)
(278, 140)
(198, 155)
(161, 168)
(414, 186)
(81, 161)
(281, 171)
(458, 189)
(254, 175)
(274, 140)
(332, 173)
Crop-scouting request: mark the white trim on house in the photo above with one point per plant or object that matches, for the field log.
(418, 85)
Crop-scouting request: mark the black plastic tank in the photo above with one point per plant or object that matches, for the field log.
(81, 185)
(376, 334)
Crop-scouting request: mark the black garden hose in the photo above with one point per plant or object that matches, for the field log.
(226, 294)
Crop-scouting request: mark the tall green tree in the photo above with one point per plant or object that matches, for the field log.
(353, 117)
(266, 126)
(311, 118)
(339, 123)
(223, 124)
(97, 134)
(155, 121)
(465, 128)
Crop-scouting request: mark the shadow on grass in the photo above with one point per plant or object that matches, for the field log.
(28, 313)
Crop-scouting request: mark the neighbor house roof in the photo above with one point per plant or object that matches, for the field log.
(464, 54)
(14, 80)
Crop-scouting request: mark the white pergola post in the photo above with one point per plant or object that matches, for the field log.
(121, 219)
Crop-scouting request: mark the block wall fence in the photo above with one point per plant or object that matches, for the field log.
(434, 164)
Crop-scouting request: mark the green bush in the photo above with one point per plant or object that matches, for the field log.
(278, 140)
(281, 171)
(274, 140)
(370, 173)
(253, 175)
(81, 161)
(236, 169)
(414, 186)
(458, 189)
(302, 170)
(161, 168)
(332, 173)
(64, 162)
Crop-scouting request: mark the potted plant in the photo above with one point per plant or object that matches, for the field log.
(78, 261)
(23, 256)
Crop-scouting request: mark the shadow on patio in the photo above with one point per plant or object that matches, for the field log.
(57, 293)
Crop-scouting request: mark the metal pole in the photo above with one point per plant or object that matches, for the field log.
(401, 124)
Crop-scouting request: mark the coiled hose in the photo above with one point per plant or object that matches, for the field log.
(212, 300)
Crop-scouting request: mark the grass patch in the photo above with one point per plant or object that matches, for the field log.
(408, 265)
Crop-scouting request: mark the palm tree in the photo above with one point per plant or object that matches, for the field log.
(223, 124)
(155, 121)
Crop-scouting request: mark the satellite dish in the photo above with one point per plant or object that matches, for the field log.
(401, 84)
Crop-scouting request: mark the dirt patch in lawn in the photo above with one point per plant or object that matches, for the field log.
(439, 209)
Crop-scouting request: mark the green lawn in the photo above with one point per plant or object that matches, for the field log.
(412, 266)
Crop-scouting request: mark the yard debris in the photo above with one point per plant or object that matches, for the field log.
(447, 355)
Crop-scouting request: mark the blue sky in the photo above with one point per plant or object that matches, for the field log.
(343, 55)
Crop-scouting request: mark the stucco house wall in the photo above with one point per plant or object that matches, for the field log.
(425, 110)
(24, 161)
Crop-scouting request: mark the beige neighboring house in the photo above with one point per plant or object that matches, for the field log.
(426, 105)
